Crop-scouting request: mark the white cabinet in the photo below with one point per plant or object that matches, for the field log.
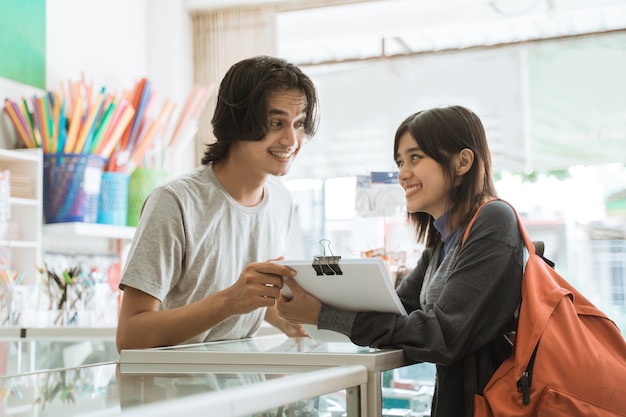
(26, 167)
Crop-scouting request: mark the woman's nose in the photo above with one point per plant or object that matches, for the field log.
(403, 175)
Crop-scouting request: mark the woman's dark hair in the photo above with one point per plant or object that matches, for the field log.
(241, 112)
(441, 133)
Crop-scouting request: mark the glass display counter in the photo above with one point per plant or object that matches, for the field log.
(276, 352)
(102, 390)
(91, 377)
(24, 350)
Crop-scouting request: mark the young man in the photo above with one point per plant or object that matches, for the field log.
(199, 268)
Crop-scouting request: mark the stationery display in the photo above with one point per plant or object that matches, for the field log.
(85, 133)
(75, 290)
(142, 181)
(8, 229)
(71, 185)
(67, 292)
(113, 198)
(379, 194)
(8, 281)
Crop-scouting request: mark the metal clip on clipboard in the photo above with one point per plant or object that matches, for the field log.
(326, 264)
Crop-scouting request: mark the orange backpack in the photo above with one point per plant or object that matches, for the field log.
(568, 359)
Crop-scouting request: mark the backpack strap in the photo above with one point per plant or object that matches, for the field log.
(473, 219)
(528, 243)
(536, 246)
(523, 384)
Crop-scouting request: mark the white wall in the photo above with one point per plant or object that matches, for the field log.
(106, 40)
(170, 64)
(115, 43)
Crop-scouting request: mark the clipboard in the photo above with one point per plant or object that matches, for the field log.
(358, 285)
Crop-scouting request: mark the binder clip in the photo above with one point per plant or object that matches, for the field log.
(327, 264)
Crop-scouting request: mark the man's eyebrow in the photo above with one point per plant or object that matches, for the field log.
(279, 112)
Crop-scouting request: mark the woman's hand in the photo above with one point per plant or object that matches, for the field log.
(302, 307)
(291, 329)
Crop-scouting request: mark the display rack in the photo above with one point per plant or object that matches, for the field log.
(26, 210)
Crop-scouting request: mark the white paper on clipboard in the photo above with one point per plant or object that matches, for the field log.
(363, 285)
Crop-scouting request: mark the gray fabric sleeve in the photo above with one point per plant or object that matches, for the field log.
(337, 320)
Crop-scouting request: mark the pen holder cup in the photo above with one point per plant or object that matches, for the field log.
(113, 198)
(71, 185)
(142, 181)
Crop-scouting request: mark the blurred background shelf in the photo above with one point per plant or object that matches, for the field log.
(26, 174)
(89, 230)
(86, 238)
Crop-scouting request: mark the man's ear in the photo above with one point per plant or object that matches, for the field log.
(464, 161)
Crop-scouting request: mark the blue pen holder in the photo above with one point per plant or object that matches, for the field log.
(71, 186)
(113, 200)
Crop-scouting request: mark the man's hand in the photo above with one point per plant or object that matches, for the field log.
(258, 286)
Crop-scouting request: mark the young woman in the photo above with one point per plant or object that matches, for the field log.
(461, 299)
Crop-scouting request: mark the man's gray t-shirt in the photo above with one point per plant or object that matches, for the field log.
(193, 239)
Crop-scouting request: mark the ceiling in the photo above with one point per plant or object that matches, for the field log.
(310, 33)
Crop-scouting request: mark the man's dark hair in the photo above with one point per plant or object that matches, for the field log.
(241, 112)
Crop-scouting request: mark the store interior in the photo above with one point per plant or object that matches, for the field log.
(546, 77)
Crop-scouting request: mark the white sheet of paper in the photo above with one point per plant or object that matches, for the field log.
(364, 285)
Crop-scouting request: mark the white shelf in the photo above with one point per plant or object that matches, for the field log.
(86, 238)
(10, 333)
(60, 333)
(26, 212)
(19, 244)
(69, 333)
(16, 201)
(89, 230)
(27, 155)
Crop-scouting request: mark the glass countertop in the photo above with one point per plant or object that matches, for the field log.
(102, 388)
(274, 351)
(26, 356)
(30, 349)
(274, 343)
